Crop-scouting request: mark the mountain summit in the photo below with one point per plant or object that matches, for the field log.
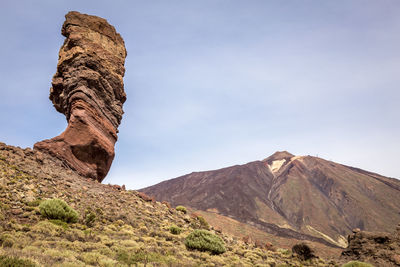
(301, 197)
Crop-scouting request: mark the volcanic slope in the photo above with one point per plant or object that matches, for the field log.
(114, 227)
(301, 197)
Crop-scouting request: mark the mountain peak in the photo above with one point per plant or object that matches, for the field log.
(279, 155)
(300, 197)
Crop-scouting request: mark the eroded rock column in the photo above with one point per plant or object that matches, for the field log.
(88, 89)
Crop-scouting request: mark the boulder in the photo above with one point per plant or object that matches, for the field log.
(88, 89)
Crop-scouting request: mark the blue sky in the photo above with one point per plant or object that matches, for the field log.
(216, 83)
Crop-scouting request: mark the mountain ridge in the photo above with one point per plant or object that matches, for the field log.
(308, 195)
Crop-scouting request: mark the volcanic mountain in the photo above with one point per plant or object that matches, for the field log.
(301, 197)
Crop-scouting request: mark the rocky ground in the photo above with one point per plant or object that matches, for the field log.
(381, 249)
(127, 227)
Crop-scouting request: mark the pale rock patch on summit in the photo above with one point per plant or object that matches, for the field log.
(276, 165)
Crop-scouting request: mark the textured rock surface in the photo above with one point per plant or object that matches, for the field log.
(380, 249)
(88, 89)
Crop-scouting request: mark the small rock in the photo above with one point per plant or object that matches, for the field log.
(16, 211)
(396, 259)
(2, 146)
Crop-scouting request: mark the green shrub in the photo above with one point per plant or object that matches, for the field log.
(357, 264)
(198, 222)
(63, 224)
(34, 203)
(6, 261)
(181, 209)
(139, 256)
(175, 230)
(204, 240)
(57, 209)
(203, 223)
(90, 217)
(6, 241)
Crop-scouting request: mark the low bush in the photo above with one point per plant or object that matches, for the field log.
(6, 241)
(90, 217)
(140, 256)
(34, 203)
(181, 209)
(204, 240)
(203, 223)
(175, 230)
(303, 251)
(357, 264)
(63, 224)
(198, 222)
(6, 261)
(57, 209)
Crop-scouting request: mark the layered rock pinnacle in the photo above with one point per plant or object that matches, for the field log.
(88, 89)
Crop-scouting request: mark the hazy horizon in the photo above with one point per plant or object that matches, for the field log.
(212, 84)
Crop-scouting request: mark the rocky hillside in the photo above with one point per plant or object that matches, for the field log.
(296, 197)
(115, 227)
(381, 249)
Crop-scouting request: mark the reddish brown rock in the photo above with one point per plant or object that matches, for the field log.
(269, 246)
(146, 197)
(378, 248)
(88, 89)
(166, 203)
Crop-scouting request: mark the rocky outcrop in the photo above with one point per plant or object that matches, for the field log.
(88, 89)
(381, 249)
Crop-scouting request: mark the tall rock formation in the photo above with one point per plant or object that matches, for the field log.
(88, 89)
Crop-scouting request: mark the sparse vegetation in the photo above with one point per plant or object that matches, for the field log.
(6, 261)
(34, 203)
(90, 217)
(357, 264)
(60, 223)
(141, 256)
(175, 230)
(117, 228)
(57, 209)
(203, 223)
(7, 243)
(181, 209)
(204, 240)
